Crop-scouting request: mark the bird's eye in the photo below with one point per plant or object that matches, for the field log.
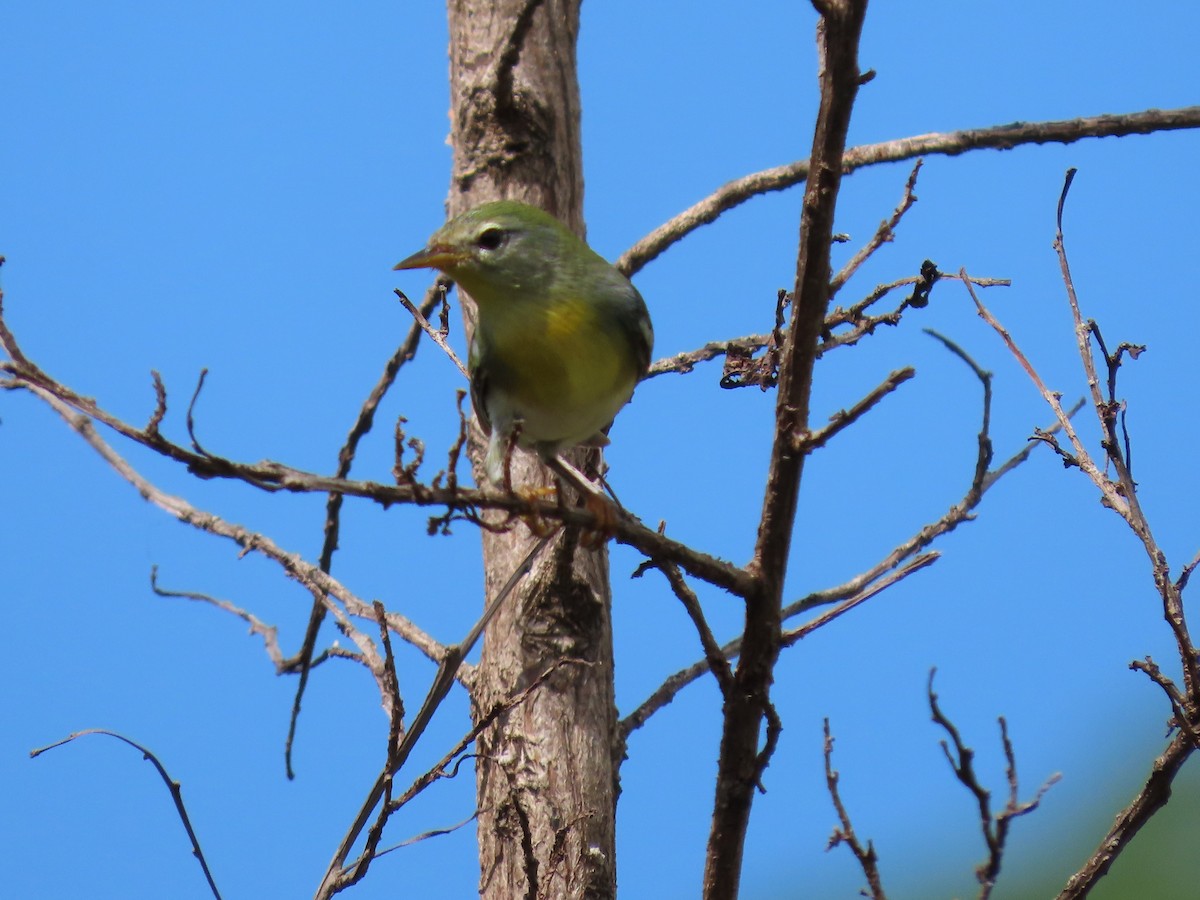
(490, 238)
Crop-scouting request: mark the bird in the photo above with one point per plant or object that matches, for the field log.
(561, 339)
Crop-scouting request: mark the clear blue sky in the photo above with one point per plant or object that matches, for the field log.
(227, 185)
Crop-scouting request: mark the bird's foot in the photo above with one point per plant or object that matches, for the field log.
(534, 521)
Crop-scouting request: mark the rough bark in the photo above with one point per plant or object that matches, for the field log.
(545, 774)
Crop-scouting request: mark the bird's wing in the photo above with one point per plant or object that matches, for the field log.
(478, 385)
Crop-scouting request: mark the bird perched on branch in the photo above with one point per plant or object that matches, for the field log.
(561, 339)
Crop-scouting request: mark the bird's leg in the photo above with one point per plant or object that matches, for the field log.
(572, 476)
(510, 446)
(538, 526)
(606, 511)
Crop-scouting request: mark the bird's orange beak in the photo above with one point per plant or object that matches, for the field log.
(435, 256)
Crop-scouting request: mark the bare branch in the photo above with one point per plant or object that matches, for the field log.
(268, 633)
(426, 835)
(854, 316)
(682, 363)
(793, 635)
(749, 706)
(363, 422)
(1126, 487)
(842, 419)
(714, 655)
(995, 829)
(984, 458)
(1150, 799)
(1175, 697)
(337, 876)
(845, 833)
(1002, 137)
(434, 334)
(172, 785)
(273, 476)
(191, 421)
(883, 234)
(1181, 582)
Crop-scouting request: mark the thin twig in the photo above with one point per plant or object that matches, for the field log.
(844, 418)
(272, 476)
(844, 834)
(1122, 495)
(994, 829)
(433, 333)
(191, 420)
(426, 835)
(336, 875)
(854, 316)
(363, 422)
(792, 635)
(1182, 581)
(714, 654)
(1175, 697)
(268, 633)
(172, 785)
(883, 234)
(984, 458)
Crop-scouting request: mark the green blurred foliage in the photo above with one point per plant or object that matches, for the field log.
(1162, 862)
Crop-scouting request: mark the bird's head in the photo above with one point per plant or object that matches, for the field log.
(499, 250)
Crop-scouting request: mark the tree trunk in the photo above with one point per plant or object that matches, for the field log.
(545, 773)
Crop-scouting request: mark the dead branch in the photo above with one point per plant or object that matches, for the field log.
(339, 876)
(994, 828)
(862, 586)
(1001, 137)
(844, 418)
(854, 321)
(844, 834)
(740, 759)
(268, 633)
(883, 234)
(363, 422)
(714, 654)
(172, 785)
(1120, 495)
(434, 334)
(791, 636)
(272, 476)
(1150, 799)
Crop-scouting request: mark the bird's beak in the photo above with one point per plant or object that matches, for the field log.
(435, 256)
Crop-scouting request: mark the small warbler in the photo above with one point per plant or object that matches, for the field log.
(561, 339)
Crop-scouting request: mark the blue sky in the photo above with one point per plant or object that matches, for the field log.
(227, 186)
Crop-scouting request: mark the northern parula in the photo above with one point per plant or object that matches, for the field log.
(561, 339)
